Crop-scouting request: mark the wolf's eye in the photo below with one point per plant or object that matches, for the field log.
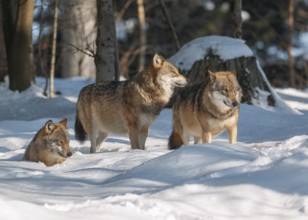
(174, 74)
(224, 91)
(58, 143)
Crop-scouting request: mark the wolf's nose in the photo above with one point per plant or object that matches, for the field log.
(235, 103)
(69, 154)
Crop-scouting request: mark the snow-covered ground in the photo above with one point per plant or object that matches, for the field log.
(263, 176)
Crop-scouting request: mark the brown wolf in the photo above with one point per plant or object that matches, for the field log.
(205, 109)
(50, 145)
(126, 106)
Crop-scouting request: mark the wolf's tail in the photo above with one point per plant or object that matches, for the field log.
(175, 141)
(80, 133)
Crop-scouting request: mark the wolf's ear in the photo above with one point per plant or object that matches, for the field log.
(212, 76)
(64, 122)
(158, 60)
(49, 126)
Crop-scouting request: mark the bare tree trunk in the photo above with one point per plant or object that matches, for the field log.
(18, 18)
(41, 60)
(237, 18)
(290, 45)
(105, 58)
(78, 28)
(53, 50)
(3, 63)
(143, 39)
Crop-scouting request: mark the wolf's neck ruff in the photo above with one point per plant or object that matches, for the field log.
(147, 90)
(220, 116)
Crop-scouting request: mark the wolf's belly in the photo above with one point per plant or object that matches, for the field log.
(111, 122)
(213, 126)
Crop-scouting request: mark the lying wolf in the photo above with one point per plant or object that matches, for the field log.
(50, 145)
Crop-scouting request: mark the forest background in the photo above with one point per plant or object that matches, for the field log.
(276, 31)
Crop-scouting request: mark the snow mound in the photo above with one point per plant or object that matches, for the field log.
(226, 47)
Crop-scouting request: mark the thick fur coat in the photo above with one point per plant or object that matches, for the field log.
(122, 107)
(205, 109)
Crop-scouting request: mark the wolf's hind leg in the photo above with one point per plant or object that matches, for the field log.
(198, 140)
(93, 139)
(101, 137)
(232, 134)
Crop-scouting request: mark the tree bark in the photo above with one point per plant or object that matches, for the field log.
(290, 45)
(143, 39)
(3, 63)
(78, 28)
(105, 57)
(53, 50)
(18, 18)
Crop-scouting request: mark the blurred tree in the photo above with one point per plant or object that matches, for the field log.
(236, 8)
(143, 39)
(290, 45)
(17, 26)
(78, 30)
(267, 26)
(53, 50)
(3, 63)
(105, 57)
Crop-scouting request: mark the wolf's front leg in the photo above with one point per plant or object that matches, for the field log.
(133, 133)
(143, 134)
(185, 137)
(93, 139)
(232, 134)
(206, 137)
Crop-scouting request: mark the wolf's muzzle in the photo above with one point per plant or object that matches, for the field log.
(231, 104)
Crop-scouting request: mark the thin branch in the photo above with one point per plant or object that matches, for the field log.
(88, 51)
(173, 32)
(124, 8)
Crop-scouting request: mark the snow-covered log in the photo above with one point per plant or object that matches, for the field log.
(217, 53)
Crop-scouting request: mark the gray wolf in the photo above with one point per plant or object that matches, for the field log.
(121, 107)
(205, 109)
(50, 145)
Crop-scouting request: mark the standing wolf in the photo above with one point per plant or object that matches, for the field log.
(206, 109)
(126, 106)
(50, 145)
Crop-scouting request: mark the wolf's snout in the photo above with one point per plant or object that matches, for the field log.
(182, 82)
(235, 103)
(69, 154)
(230, 103)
